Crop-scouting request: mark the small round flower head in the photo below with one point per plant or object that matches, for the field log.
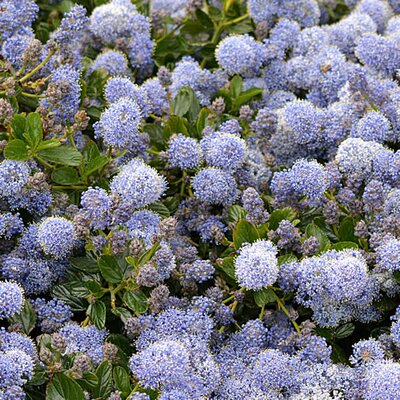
(156, 96)
(138, 184)
(52, 314)
(200, 271)
(392, 203)
(173, 8)
(256, 266)
(379, 10)
(225, 151)
(13, 177)
(374, 126)
(345, 33)
(11, 299)
(119, 88)
(184, 152)
(96, 206)
(65, 102)
(311, 41)
(388, 255)
(382, 381)
(16, 368)
(57, 236)
(114, 63)
(163, 363)
(367, 351)
(14, 47)
(306, 121)
(111, 21)
(215, 186)
(73, 26)
(240, 55)
(187, 72)
(16, 16)
(305, 12)
(379, 53)
(10, 225)
(355, 156)
(254, 205)
(140, 52)
(144, 225)
(337, 286)
(89, 340)
(119, 124)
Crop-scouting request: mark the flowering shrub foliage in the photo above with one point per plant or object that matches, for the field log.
(199, 199)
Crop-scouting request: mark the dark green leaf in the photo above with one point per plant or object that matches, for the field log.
(286, 258)
(186, 102)
(104, 387)
(48, 144)
(18, 124)
(26, 318)
(160, 209)
(16, 150)
(63, 155)
(346, 230)
(89, 381)
(122, 313)
(110, 269)
(204, 19)
(279, 215)
(344, 331)
(264, 296)
(34, 130)
(122, 380)
(64, 388)
(85, 264)
(201, 122)
(65, 176)
(67, 294)
(136, 301)
(244, 232)
(97, 314)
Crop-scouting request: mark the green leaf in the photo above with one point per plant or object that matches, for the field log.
(90, 151)
(104, 387)
(63, 155)
(204, 19)
(16, 150)
(26, 318)
(314, 230)
(122, 313)
(48, 144)
(159, 208)
(279, 215)
(236, 213)
(201, 122)
(110, 269)
(69, 294)
(286, 258)
(236, 86)
(346, 230)
(64, 388)
(18, 124)
(96, 164)
(264, 296)
(228, 266)
(245, 232)
(344, 245)
(136, 301)
(65, 176)
(97, 314)
(122, 380)
(344, 331)
(85, 264)
(186, 102)
(246, 96)
(89, 381)
(34, 130)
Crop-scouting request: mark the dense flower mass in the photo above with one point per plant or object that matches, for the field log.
(200, 199)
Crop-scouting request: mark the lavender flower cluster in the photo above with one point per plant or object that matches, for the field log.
(200, 200)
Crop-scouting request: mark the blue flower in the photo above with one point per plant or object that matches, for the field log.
(11, 299)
